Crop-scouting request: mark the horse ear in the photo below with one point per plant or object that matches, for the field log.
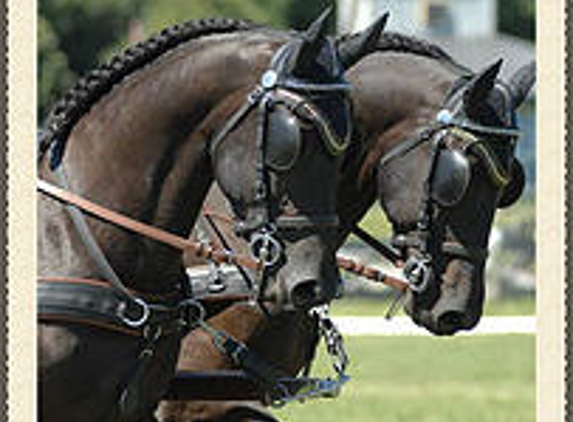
(361, 44)
(480, 86)
(521, 83)
(317, 29)
(312, 42)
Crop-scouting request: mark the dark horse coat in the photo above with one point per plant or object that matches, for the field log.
(398, 90)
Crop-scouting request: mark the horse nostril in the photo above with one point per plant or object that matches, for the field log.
(450, 322)
(305, 294)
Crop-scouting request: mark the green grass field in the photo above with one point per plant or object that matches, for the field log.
(430, 379)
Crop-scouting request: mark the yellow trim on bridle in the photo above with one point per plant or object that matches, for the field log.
(305, 109)
(496, 172)
(498, 175)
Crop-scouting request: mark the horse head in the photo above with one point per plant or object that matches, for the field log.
(286, 200)
(441, 189)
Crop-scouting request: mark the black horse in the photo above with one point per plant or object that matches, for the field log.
(441, 157)
(146, 135)
(431, 140)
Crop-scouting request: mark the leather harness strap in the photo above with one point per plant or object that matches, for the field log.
(199, 249)
(348, 264)
(96, 303)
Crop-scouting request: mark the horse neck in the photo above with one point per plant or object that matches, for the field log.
(394, 96)
(141, 151)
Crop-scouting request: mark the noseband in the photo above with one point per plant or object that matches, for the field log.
(276, 90)
(452, 173)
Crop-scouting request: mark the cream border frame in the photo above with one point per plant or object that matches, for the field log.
(22, 217)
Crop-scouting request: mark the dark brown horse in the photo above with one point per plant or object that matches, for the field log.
(443, 163)
(146, 135)
(417, 166)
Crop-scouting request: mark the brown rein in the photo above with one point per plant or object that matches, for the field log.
(345, 264)
(199, 249)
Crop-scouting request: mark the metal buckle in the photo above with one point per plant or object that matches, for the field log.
(216, 278)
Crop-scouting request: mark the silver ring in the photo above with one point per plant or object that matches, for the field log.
(418, 275)
(134, 323)
(265, 248)
(192, 303)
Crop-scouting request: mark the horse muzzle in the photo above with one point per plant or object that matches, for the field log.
(309, 276)
(452, 303)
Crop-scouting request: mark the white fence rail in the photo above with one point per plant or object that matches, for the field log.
(380, 326)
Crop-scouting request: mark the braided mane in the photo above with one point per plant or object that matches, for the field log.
(97, 83)
(401, 43)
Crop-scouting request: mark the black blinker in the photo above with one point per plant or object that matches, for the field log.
(450, 177)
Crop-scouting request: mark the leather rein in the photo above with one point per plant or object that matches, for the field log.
(199, 249)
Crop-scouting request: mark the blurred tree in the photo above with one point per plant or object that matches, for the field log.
(73, 37)
(517, 17)
(54, 75)
(295, 14)
(158, 15)
(300, 13)
(517, 228)
(86, 28)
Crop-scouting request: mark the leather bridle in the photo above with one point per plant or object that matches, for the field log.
(276, 89)
(449, 122)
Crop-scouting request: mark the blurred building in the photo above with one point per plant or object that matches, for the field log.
(466, 29)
